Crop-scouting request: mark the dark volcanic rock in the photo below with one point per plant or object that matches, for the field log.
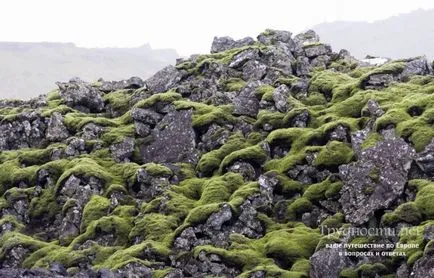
(280, 98)
(220, 44)
(123, 150)
(424, 267)
(246, 102)
(271, 36)
(164, 80)
(56, 130)
(328, 263)
(376, 180)
(425, 160)
(81, 96)
(131, 83)
(173, 140)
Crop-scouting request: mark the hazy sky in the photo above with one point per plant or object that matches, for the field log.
(186, 25)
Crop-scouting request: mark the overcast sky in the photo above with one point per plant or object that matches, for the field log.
(186, 25)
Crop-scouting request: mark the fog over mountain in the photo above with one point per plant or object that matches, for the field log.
(30, 69)
(405, 35)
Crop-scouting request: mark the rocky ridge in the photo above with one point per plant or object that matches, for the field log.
(246, 162)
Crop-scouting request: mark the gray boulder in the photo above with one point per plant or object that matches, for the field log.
(241, 58)
(280, 97)
(244, 169)
(92, 131)
(328, 263)
(131, 83)
(254, 70)
(173, 140)
(425, 159)
(303, 67)
(270, 36)
(75, 147)
(376, 180)
(56, 130)
(306, 38)
(164, 80)
(315, 50)
(220, 44)
(145, 116)
(246, 102)
(417, 66)
(378, 81)
(81, 96)
(424, 267)
(123, 150)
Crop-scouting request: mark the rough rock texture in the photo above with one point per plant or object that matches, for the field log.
(81, 96)
(248, 161)
(220, 44)
(56, 130)
(328, 263)
(376, 180)
(173, 140)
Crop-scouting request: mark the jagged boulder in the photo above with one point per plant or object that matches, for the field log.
(425, 160)
(246, 102)
(131, 83)
(56, 130)
(123, 150)
(220, 44)
(81, 95)
(424, 267)
(329, 262)
(164, 80)
(173, 140)
(376, 180)
(271, 36)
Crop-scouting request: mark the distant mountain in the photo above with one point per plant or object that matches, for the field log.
(405, 35)
(29, 69)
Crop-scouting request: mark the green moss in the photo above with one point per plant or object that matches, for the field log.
(116, 134)
(415, 236)
(372, 139)
(119, 100)
(13, 239)
(211, 161)
(254, 154)
(407, 212)
(85, 167)
(423, 200)
(293, 246)
(154, 169)
(134, 253)
(393, 67)
(348, 273)
(334, 221)
(265, 92)
(297, 207)
(11, 219)
(370, 270)
(96, 208)
(115, 225)
(166, 97)
(329, 82)
(232, 84)
(315, 98)
(12, 174)
(204, 114)
(335, 153)
(273, 119)
(322, 190)
(154, 226)
(242, 193)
